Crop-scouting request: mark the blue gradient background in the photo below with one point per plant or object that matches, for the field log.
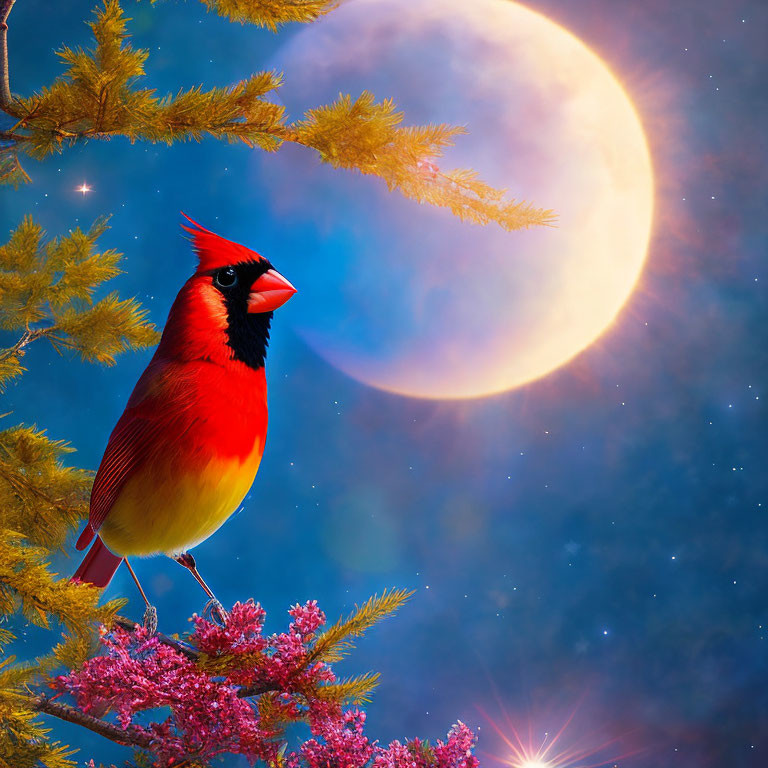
(595, 537)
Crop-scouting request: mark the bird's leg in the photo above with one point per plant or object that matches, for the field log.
(188, 561)
(150, 612)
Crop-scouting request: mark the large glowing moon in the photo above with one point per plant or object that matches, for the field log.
(404, 297)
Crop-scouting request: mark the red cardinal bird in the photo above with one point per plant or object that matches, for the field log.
(186, 450)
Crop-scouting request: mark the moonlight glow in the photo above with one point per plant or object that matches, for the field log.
(432, 307)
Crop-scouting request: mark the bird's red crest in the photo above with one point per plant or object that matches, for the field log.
(214, 251)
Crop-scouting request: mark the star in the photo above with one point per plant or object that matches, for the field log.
(84, 188)
(545, 753)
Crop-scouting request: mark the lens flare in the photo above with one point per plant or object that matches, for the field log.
(558, 749)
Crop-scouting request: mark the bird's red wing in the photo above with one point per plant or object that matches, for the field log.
(131, 443)
(129, 446)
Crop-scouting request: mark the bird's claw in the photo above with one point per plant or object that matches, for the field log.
(187, 560)
(150, 619)
(216, 612)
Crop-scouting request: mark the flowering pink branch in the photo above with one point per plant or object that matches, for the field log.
(127, 737)
(191, 653)
(182, 648)
(206, 684)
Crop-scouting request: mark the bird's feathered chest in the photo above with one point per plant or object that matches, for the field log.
(182, 457)
(204, 407)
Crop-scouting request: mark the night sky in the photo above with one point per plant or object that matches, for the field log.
(594, 541)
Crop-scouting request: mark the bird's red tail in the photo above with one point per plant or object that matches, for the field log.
(98, 566)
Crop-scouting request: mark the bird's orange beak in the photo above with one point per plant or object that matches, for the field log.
(269, 292)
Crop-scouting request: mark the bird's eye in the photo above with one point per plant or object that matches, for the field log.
(225, 278)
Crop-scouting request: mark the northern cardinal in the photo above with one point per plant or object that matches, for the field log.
(187, 447)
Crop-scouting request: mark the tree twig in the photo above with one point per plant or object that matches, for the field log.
(5, 80)
(17, 138)
(247, 691)
(129, 737)
(179, 647)
(26, 338)
(126, 736)
(191, 653)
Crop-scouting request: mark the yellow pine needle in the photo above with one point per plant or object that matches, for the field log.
(99, 95)
(335, 642)
(271, 13)
(351, 690)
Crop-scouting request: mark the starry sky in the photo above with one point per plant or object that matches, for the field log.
(593, 542)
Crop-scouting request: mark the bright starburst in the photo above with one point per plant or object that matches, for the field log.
(554, 751)
(84, 188)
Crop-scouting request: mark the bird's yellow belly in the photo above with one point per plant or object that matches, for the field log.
(161, 510)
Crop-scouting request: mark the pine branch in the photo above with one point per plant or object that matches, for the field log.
(336, 641)
(27, 584)
(99, 96)
(22, 486)
(10, 358)
(27, 338)
(271, 13)
(24, 740)
(368, 137)
(126, 736)
(11, 171)
(46, 292)
(352, 690)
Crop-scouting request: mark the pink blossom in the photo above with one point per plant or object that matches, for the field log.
(240, 635)
(205, 711)
(457, 750)
(307, 619)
